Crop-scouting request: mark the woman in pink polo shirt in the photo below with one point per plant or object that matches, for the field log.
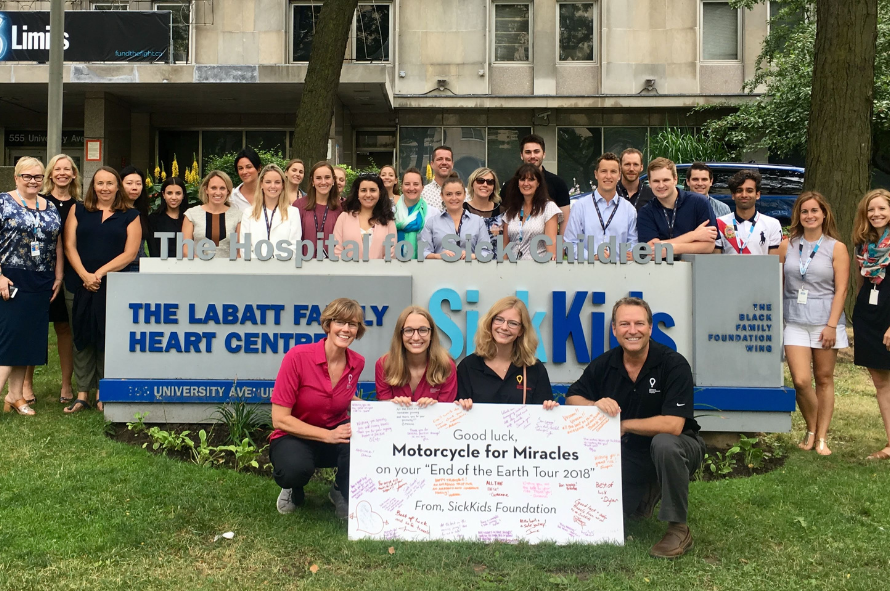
(310, 406)
(417, 367)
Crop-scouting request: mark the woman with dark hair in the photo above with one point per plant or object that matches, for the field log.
(102, 235)
(871, 316)
(294, 171)
(529, 212)
(417, 367)
(817, 273)
(320, 207)
(30, 278)
(310, 408)
(248, 166)
(168, 217)
(504, 368)
(133, 184)
(368, 211)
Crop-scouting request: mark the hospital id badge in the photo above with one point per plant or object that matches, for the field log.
(35, 249)
(802, 296)
(873, 297)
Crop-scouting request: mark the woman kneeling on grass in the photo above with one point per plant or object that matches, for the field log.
(417, 367)
(310, 408)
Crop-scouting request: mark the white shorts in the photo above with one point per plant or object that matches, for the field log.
(807, 335)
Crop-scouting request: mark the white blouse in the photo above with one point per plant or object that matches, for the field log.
(531, 227)
(290, 229)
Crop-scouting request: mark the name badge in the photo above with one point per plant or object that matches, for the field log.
(802, 296)
(873, 297)
(35, 249)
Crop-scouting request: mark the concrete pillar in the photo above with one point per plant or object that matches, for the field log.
(140, 140)
(108, 119)
(544, 47)
(93, 129)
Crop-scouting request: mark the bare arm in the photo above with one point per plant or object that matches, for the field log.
(188, 233)
(71, 246)
(284, 420)
(60, 269)
(566, 213)
(550, 228)
(121, 261)
(654, 425)
(841, 264)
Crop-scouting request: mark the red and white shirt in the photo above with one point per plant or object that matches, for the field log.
(755, 236)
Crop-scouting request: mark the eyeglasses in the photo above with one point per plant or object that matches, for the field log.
(31, 177)
(500, 320)
(409, 331)
(489, 182)
(353, 325)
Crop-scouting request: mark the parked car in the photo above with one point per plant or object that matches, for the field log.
(780, 187)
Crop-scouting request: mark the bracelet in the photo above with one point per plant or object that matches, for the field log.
(829, 326)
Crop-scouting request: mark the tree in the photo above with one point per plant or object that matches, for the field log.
(316, 107)
(839, 134)
(777, 117)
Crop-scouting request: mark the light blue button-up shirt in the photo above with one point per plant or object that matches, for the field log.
(439, 225)
(584, 221)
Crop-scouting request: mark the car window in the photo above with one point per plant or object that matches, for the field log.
(781, 182)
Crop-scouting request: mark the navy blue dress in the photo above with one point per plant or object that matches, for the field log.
(24, 319)
(98, 243)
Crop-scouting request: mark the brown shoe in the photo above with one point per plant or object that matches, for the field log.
(676, 541)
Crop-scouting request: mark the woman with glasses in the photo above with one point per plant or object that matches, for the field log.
(310, 408)
(504, 369)
(417, 367)
(30, 278)
(484, 198)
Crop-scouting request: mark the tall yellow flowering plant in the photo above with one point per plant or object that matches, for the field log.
(190, 176)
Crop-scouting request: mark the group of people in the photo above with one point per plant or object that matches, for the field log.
(661, 446)
(58, 244)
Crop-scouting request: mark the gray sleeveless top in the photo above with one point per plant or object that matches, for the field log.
(818, 281)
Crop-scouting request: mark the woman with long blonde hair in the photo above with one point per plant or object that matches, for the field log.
(417, 367)
(271, 217)
(817, 272)
(871, 316)
(504, 368)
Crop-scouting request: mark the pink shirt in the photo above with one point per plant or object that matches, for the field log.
(445, 392)
(304, 385)
(349, 228)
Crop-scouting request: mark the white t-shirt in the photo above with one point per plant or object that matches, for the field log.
(755, 236)
(531, 227)
(238, 201)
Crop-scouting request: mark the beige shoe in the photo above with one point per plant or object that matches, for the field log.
(676, 542)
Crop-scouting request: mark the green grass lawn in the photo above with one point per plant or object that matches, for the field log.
(80, 511)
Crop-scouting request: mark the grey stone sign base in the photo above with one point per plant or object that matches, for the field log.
(173, 412)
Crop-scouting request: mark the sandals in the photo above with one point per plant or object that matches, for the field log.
(805, 441)
(880, 454)
(65, 399)
(822, 449)
(77, 406)
(20, 406)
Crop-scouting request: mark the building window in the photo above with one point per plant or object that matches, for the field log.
(577, 33)
(121, 5)
(416, 146)
(577, 149)
(374, 147)
(720, 31)
(305, 19)
(181, 19)
(372, 26)
(512, 26)
(503, 150)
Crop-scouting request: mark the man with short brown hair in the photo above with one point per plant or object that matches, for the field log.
(630, 186)
(651, 387)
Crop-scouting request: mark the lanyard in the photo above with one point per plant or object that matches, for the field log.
(673, 218)
(32, 213)
(750, 233)
(805, 267)
(600, 216)
(269, 221)
(323, 221)
(459, 226)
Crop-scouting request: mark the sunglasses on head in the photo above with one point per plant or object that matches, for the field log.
(489, 182)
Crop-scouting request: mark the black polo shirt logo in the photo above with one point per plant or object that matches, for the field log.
(652, 388)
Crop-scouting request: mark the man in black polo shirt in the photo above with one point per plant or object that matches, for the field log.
(630, 186)
(681, 218)
(651, 386)
(531, 151)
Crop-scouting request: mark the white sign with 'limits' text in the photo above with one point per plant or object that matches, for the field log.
(504, 473)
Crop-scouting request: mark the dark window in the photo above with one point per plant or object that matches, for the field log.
(372, 33)
(305, 18)
(181, 19)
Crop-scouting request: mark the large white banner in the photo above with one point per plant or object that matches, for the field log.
(497, 472)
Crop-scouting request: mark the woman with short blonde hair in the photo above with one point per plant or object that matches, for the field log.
(417, 367)
(216, 219)
(504, 368)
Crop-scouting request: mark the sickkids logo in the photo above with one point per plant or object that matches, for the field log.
(4, 37)
(569, 319)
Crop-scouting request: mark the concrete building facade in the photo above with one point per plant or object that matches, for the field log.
(474, 74)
